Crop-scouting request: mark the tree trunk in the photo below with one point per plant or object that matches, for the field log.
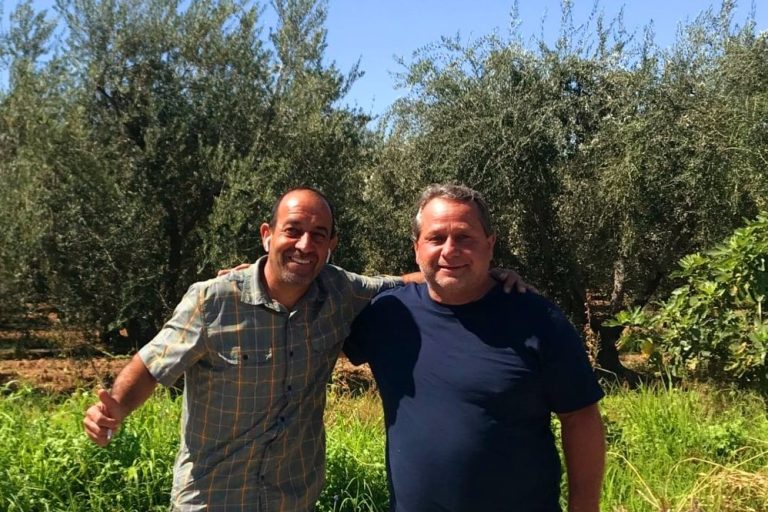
(598, 311)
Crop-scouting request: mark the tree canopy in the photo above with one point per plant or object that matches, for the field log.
(603, 164)
(142, 142)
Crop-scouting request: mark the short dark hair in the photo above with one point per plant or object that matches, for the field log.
(273, 214)
(460, 193)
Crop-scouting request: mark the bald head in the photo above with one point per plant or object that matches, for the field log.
(304, 194)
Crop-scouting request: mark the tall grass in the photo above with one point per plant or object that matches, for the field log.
(355, 471)
(669, 450)
(686, 450)
(46, 462)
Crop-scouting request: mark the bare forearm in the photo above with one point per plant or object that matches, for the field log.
(413, 277)
(584, 448)
(133, 386)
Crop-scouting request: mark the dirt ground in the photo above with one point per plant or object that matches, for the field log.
(41, 368)
(66, 374)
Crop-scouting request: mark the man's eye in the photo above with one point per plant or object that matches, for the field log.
(292, 232)
(319, 237)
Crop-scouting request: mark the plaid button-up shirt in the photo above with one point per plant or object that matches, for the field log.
(252, 435)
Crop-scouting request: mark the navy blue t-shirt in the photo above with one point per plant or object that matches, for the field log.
(468, 393)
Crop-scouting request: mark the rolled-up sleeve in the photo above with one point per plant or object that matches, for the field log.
(181, 341)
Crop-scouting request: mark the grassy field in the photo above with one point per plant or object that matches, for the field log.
(693, 449)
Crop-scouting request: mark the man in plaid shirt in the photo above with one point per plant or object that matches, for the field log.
(257, 348)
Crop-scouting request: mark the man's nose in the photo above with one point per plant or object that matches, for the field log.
(304, 243)
(449, 247)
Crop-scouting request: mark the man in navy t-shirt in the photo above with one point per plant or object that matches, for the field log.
(469, 377)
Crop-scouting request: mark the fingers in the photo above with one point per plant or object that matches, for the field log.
(512, 280)
(503, 276)
(226, 271)
(99, 427)
(109, 404)
(99, 422)
(524, 287)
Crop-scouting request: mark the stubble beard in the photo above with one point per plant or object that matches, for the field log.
(443, 286)
(295, 279)
(461, 289)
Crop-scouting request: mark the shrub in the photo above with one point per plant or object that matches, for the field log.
(714, 325)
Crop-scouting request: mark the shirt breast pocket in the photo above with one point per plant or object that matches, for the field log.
(235, 351)
(238, 386)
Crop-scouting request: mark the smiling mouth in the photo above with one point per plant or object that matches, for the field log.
(452, 268)
(299, 260)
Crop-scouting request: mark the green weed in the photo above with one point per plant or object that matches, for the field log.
(693, 449)
(669, 449)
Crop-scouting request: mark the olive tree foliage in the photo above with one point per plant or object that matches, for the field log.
(679, 165)
(24, 135)
(156, 87)
(604, 158)
(179, 124)
(303, 139)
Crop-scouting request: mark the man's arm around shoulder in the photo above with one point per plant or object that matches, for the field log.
(584, 448)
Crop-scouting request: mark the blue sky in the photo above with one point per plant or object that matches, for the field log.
(377, 31)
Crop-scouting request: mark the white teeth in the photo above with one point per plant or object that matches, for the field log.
(299, 261)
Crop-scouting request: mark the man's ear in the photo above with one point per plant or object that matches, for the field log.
(334, 242)
(266, 235)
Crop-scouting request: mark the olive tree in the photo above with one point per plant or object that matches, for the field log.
(28, 110)
(175, 127)
(604, 162)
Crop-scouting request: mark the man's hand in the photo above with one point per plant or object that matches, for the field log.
(226, 271)
(103, 419)
(133, 385)
(511, 280)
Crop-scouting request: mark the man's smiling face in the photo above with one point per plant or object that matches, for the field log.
(453, 251)
(300, 240)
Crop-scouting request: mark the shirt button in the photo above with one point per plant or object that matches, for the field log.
(290, 353)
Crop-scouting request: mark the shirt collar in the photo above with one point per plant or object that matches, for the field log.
(255, 291)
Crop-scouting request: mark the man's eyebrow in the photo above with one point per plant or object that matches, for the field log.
(291, 223)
